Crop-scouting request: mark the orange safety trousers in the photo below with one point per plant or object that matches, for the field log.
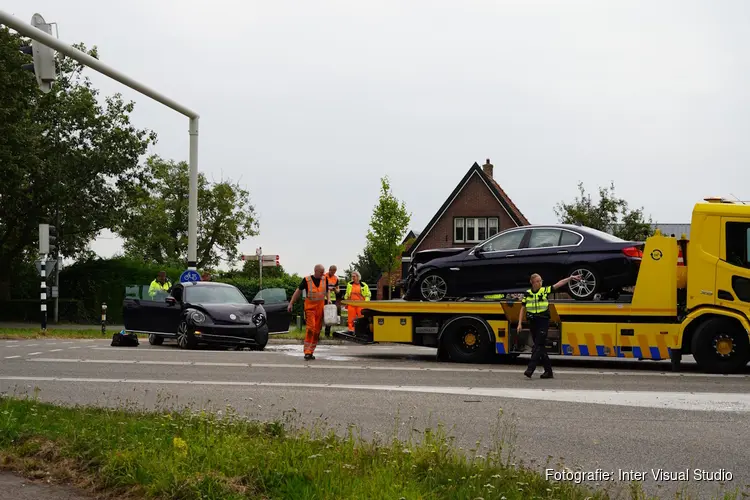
(354, 312)
(314, 323)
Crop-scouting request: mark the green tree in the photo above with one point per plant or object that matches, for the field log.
(65, 157)
(155, 223)
(366, 266)
(609, 214)
(250, 270)
(388, 224)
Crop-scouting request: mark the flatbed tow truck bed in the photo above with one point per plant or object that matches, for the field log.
(662, 319)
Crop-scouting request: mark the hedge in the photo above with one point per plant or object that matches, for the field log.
(85, 285)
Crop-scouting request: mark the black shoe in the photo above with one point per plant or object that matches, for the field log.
(309, 357)
(528, 373)
(546, 375)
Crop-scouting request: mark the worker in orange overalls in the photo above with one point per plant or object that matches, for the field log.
(333, 292)
(356, 290)
(316, 288)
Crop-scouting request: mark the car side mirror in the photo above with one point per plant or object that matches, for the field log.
(259, 302)
(171, 301)
(478, 251)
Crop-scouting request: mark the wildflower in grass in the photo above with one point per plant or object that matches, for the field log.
(180, 446)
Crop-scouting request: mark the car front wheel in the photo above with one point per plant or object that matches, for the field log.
(433, 288)
(185, 337)
(586, 286)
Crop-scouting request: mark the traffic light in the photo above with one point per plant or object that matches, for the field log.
(47, 239)
(43, 67)
(52, 240)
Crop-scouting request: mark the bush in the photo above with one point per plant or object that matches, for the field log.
(104, 280)
(70, 310)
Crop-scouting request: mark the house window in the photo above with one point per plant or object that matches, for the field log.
(474, 229)
(458, 230)
(492, 227)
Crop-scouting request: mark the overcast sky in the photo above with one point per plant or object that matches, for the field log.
(308, 103)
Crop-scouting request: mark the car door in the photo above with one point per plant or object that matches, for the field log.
(491, 269)
(132, 314)
(276, 304)
(169, 318)
(542, 255)
(152, 312)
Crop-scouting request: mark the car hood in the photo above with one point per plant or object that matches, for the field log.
(223, 312)
(436, 253)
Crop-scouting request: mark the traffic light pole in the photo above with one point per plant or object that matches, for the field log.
(43, 291)
(85, 59)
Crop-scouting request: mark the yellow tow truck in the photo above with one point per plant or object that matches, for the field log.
(691, 297)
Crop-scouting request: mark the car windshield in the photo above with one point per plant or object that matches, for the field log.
(214, 295)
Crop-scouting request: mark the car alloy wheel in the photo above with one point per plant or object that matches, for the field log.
(585, 286)
(183, 336)
(433, 288)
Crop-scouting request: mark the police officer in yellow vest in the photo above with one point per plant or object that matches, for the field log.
(535, 307)
(160, 285)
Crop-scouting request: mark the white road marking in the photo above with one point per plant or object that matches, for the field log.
(31, 345)
(55, 350)
(11, 357)
(34, 353)
(77, 347)
(701, 401)
(313, 365)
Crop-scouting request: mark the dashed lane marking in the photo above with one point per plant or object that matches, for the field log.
(695, 401)
(11, 357)
(325, 366)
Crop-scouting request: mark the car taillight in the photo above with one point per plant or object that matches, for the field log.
(634, 252)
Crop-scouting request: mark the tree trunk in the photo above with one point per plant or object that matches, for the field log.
(388, 278)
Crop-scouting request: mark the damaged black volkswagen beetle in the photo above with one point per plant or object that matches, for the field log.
(197, 312)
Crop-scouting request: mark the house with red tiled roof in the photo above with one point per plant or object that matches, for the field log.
(475, 210)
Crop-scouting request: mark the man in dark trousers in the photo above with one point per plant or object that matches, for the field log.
(535, 306)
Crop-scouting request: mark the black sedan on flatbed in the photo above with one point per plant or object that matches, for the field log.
(505, 263)
(203, 312)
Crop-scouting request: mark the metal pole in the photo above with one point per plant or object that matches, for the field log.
(193, 196)
(260, 270)
(43, 287)
(85, 59)
(104, 318)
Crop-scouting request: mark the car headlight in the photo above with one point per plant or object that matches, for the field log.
(259, 319)
(197, 317)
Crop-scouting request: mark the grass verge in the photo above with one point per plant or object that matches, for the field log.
(192, 455)
(123, 453)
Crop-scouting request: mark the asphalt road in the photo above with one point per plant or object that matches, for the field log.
(609, 415)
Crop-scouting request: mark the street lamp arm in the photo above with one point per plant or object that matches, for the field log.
(80, 56)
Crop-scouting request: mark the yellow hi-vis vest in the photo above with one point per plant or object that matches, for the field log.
(536, 303)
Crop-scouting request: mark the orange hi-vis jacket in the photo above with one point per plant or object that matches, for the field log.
(333, 282)
(316, 295)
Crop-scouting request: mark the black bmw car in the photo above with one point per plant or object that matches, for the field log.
(203, 312)
(505, 263)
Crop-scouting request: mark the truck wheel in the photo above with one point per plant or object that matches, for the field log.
(433, 288)
(467, 341)
(185, 337)
(587, 286)
(155, 339)
(720, 345)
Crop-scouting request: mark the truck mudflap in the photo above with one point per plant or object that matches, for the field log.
(361, 334)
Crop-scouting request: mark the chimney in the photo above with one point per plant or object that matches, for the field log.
(487, 167)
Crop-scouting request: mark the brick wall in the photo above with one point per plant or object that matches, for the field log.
(475, 200)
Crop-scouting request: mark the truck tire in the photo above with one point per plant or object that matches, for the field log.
(467, 341)
(155, 339)
(720, 345)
